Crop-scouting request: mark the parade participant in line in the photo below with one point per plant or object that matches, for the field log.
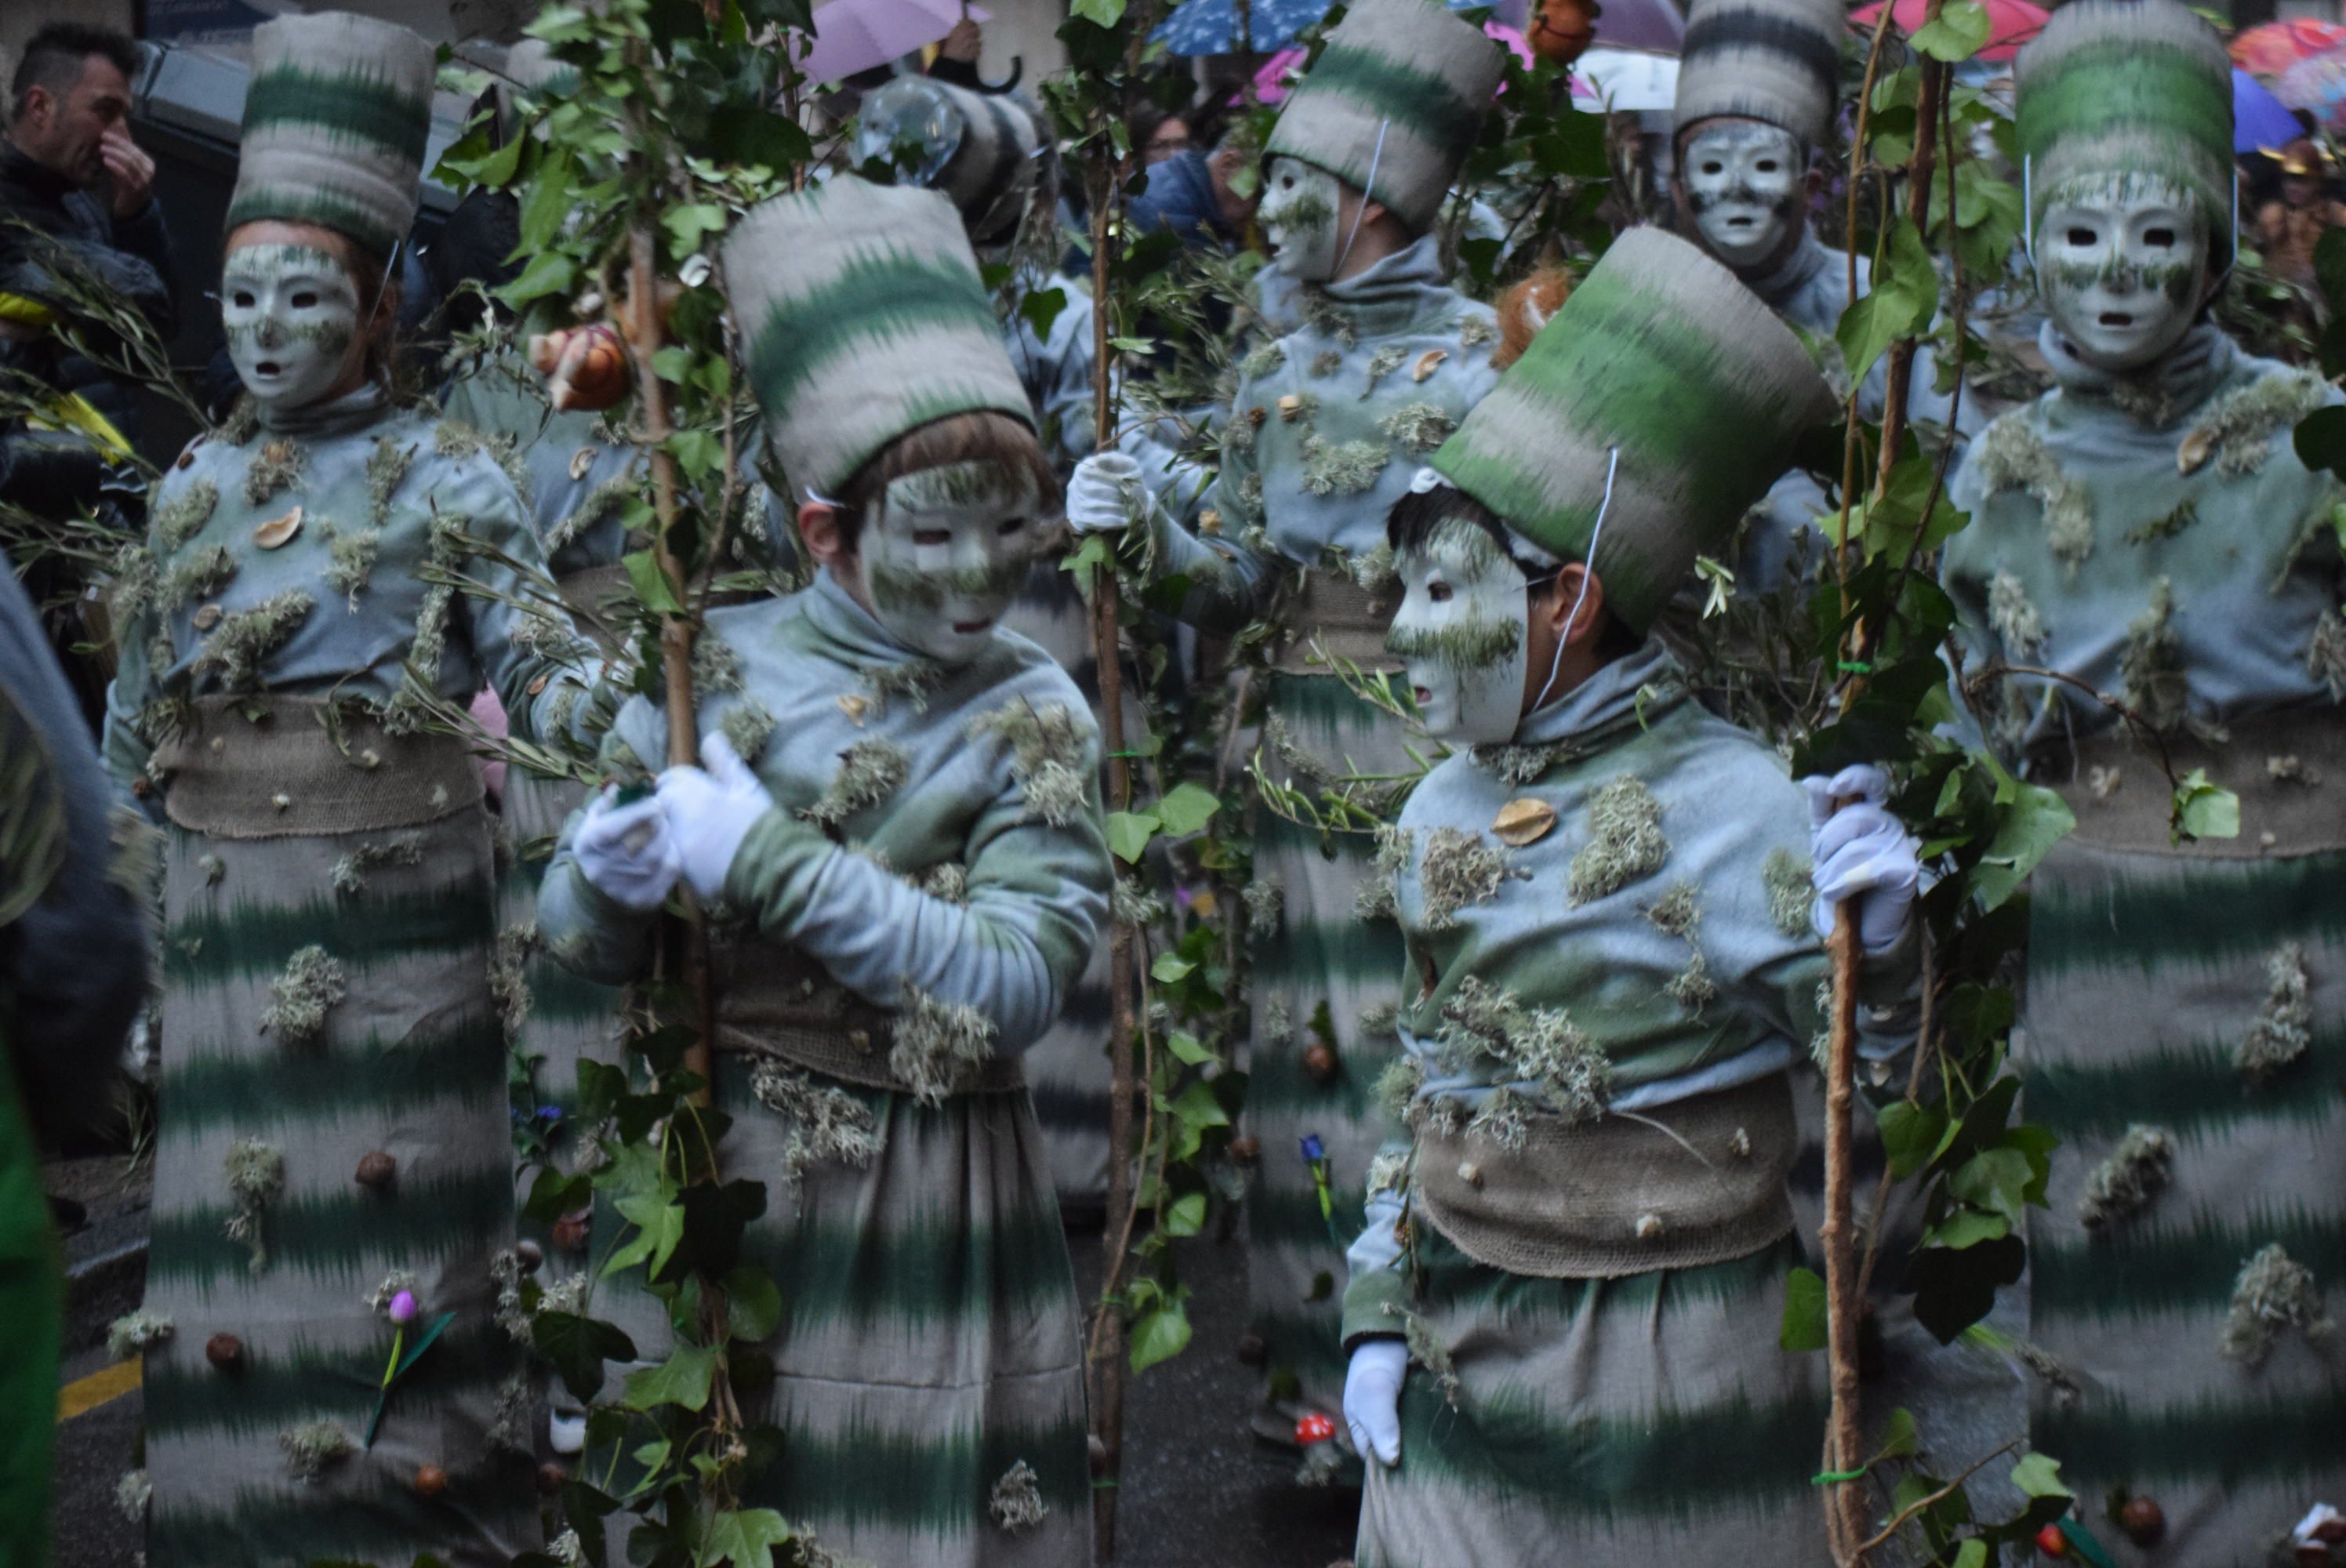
(1758, 85)
(1608, 908)
(2145, 530)
(899, 807)
(332, 1144)
(1328, 425)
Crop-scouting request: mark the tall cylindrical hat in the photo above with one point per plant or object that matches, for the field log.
(981, 149)
(865, 319)
(2118, 87)
(1772, 60)
(335, 123)
(1662, 397)
(1394, 104)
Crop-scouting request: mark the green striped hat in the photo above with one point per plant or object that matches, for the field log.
(981, 149)
(1773, 60)
(1662, 356)
(866, 320)
(1394, 104)
(334, 126)
(2127, 87)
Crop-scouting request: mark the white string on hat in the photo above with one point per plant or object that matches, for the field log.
(1375, 155)
(1587, 570)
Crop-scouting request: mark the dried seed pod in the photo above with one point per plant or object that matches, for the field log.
(278, 531)
(1257, 414)
(570, 1232)
(431, 1480)
(1427, 363)
(1320, 1062)
(1523, 821)
(1245, 1150)
(580, 462)
(206, 618)
(187, 459)
(532, 1255)
(2196, 448)
(376, 1170)
(2144, 1521)
(225, 1351)
(1209, 520)
(552, 1478)
(1290, 406)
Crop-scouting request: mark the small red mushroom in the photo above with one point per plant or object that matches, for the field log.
(1315, 1427)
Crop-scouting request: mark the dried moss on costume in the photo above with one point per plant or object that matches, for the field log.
(2154, 536)
(911, 916)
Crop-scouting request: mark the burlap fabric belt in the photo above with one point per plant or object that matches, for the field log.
(772, 1002)
(270, 767)
(2287, 768)
(1617, 1195)
(1339, 616)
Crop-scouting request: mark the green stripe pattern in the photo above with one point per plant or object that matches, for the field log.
(867, 320)
(335, 124)
(408, 1061)
(2145, 972)
(1661, 357)
(1395, 103)
(930, 1338)
(1318, 953)
(2127, 88)
(1602, 1422)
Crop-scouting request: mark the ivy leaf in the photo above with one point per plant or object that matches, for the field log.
(682, 1380)
(1959, 31)
(548, 272)
(651, 584)
(659, 1222)
(1188, 1049)
(1089, 558)
(1040, 308)
(1972, 1553)
(1996, 1180)
(1185, 1215)
(753, 1304)
(1910, 1135)
(551, 199)
(2033, 820)
(1903, 296)
(1898, 1437)
(577, 1347)
(2320, 436)
(1170, 967)
(744, 1537)
(1162, 1332)
(1804, 1326)
(1968, 1227)
(2202, 810)
(1128, 833)
(1954, 1289)
(687, 223)
(1187, 809)
(2039, 1475)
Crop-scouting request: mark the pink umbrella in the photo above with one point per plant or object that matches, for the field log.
(851, 36)
(2317, 83)
(1278, 72)
(2010, 23)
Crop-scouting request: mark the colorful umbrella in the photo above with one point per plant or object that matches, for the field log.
(2316, 83)
(1282, 71)
(851, 36)
(2010, 23)
(2259, 120)
(1625, 80)
(1210, 26)
(2272, 47)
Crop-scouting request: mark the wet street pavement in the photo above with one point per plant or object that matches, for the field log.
(1200, 1491)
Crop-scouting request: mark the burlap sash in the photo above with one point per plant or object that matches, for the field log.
(1343, 618)
(269, 768)
(1618, 1195)
(772, 1002)
(2287, 768)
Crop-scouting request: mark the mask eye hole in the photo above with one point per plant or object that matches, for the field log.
(1439, 592)
(2082, 236)
(1712, 165)
(243, 299)
(1766, 165)
(931, 535)
(1012, 526)
(303, 301)
(2162, 237)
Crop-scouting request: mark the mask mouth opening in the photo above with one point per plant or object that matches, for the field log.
(2119, 319)
(1420, 695)
(971, 629)
(267, 367)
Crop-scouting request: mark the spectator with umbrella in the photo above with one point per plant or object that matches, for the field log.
(2290, 225)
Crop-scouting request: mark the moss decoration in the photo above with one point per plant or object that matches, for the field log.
(2283, 1031)
(1540, 1046)
(313, 983)
(870, 772)
(1043, 742)
(2129, 1180)
(2010, 456)
(1625, 841)
(1458, 869)
(183, 516)
(1017, 1502)
(827, 1124)
(255, 1171)
(237, 647)
(2274, 1293)
(936, 1043)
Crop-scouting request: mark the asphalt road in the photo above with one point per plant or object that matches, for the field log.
(1200, 1491)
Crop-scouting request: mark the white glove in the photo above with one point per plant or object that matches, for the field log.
(1105, 494)
(710, 810)
(1372, 1397)
(1862, 851)
(627, 851)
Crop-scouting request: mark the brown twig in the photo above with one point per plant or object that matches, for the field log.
(1920, 1503)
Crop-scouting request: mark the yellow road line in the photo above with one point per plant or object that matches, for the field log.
(84, 1395)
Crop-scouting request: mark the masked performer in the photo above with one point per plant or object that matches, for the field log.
(333, 1129)
(1608, 904)
(1757, 91)
(2145, 530)
(1327, 425)
(900, 809)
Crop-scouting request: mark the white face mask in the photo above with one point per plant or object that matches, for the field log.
(290, 315)
(2122, 262)
(1744, 184)
(1299, 217)
(945, 553)
(1463, 635)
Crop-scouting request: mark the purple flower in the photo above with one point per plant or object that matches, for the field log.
(403, 1309)
(1181, 896)
(549, 1114)
(1313, 1150)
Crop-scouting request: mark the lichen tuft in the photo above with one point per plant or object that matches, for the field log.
(1624, 840)
(1539, 1045)
(747, 726)
(137, 1331)
(239, 645)
(350, 872)
(2010, 456)
(255, 1171)
(827, 1122)
(1398, 1085)
(2273, 1293)
(1017, 1500)
(1418, 428)
(1458, 869)
(1045, 743)
(2128, 1182)
(1791, 892)
(936, 1044)
(870, 772)
(1378, 897)
(312, 984)
(2283, 1031)
(2012, 615)
(1341, 468)
(313, 1447)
